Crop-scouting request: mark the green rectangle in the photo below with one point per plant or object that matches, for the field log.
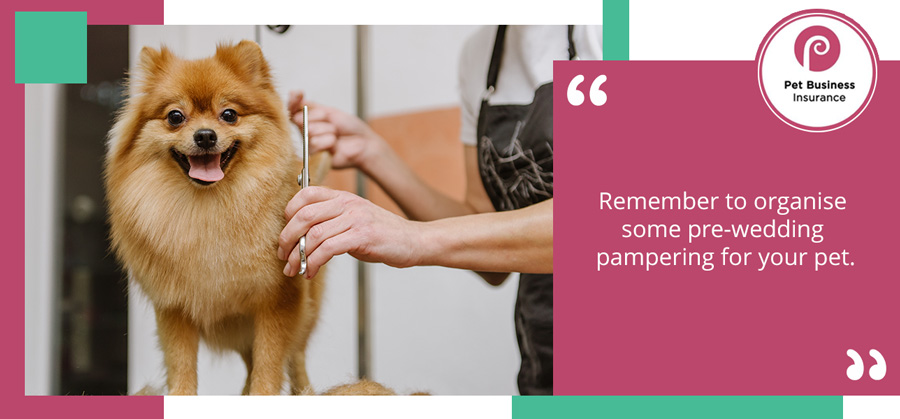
(671, 407)
(615, 30)
(51, 47)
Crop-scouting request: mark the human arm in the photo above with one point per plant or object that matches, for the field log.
(421, 202)
(354, 144)
(337, 222)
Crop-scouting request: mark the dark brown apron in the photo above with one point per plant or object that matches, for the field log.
(515, 160)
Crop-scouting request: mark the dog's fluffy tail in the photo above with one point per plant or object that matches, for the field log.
(151, 390)
(364, 387)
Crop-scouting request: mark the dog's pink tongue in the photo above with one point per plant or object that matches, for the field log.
(206, 167)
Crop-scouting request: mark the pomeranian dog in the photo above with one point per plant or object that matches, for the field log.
(199, 169)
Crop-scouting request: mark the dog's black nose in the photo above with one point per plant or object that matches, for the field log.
(205, 138)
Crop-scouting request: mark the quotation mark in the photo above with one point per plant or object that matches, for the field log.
(576, 98)
(856, 371)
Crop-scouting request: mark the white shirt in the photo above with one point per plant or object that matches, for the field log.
(528, 55)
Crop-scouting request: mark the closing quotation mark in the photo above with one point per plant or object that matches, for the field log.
(576, 98)
(879, 370)
(856, 371)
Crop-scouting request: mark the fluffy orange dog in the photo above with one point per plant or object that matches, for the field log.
(199, 169)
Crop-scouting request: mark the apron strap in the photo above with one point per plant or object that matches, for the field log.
(494, 69)
(572, 53)
(497, 56)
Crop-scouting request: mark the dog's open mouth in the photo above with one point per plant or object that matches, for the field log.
(205, 169)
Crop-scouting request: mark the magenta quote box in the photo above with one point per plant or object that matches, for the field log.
(703, 129)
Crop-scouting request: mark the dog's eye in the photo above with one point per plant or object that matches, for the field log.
(175, 118)
(229, 116)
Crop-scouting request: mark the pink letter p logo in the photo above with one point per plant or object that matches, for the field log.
(817, 48)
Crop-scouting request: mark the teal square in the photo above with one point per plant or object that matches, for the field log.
(51, 47)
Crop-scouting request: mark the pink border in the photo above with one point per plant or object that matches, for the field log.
(873, 53)
(99, 12)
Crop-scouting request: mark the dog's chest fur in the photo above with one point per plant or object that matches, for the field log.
(211, 255)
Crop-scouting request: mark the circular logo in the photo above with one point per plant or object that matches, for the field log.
(817, 48)
(817, 70)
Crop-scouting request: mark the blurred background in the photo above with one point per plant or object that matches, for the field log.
(430, 329)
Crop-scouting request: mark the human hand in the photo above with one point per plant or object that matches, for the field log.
(337, 222)
(349, 140)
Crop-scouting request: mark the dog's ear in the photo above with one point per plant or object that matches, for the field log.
(151, 64)
(247, 59)
(153, 61)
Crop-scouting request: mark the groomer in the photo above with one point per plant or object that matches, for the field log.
(505, 223)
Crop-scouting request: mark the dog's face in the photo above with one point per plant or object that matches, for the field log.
(205, 118)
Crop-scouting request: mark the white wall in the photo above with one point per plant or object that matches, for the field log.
(414, 68)
(433, 329)
(42, 235)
